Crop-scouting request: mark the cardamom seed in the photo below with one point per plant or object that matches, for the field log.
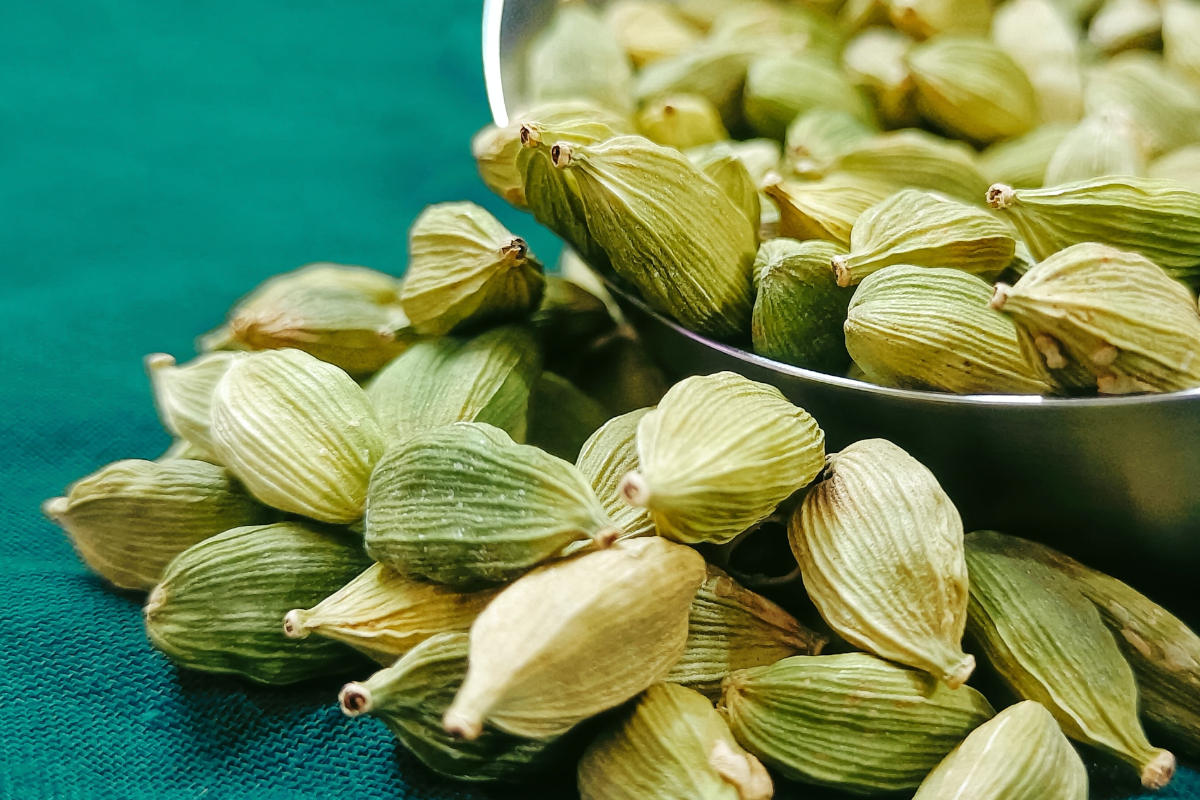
(1022, 162)
(1101, 145)
(183, 395)
(561, 417)
(728, 171)
(781, 86)
(607, 457)
(681, 121)
(578, 56)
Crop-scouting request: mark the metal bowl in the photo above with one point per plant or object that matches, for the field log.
(1113, 481)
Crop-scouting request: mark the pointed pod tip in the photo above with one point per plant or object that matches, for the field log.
(634, 489)
(561, 155)
(840, 271)
(355, 699)
(607, 536)
(1001, 195)
(1000, 293)
(156, 600)
(157, 361)
(55, 508)
(461, 726)
(294, 626)
(1158, 772)
(958, 674)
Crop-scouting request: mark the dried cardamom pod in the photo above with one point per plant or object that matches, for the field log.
(729, 172)
(1100, 316)
(128, 519)
(1157, 218)
(1044, 42)
(465, 269)
(851, 721)
(463, 505)
(925, 18)
(874, 61)
(1164, 107)
(575, 638)
(759, 156)
(703, 13)
(718, 454)
(1020, 754)
(183, 395)
(918, 160)
(1181, 37)
(561, 417)
(298, 432)
(929, 230)
(577, 56)
(681, 121)
(732, 628)
(668, 229)
(781, 86)
(816, 138)
(824, 209)
(649, 30)
(1101, 145)
(671, 745)
(932, 328)
(1022, 162)
(972, 88)
(1046, 640)
(410, 697)
(569, 320)
(714, 70)
(487, 378)
(606, 457)
(779, 27)
(1181, 166)
(855, 15)
(1125, 24)
(218, 605)
(383, 614)
(799, 309)
(880, 547)
(620, 374)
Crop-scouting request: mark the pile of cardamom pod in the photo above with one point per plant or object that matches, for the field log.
(909, 153)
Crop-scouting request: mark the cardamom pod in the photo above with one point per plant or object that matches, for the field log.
(561, 417)
(1044, 42)
(874, 61)
(880, 547)
(183, 395)
(714, 70)
(718, 454)
(1046, 640)
(1101, 145)
(781, 86)
(218, 605)
(1181, 38)
(1125, 24)
(383, 614)
(128, 519)
(649, 30)
(1022, 162)
(704, 13)
(620, 374)
(1020, 754)
(923, 328)
(681, 121)
(728, 171)
(1100, 316)
(851, 721)
(578, 56)
(1164, 107)
(824, 209)
(298, 432)
(799, 309)
(816, 138)
(607, 457)
(672, 745)
(929, 230)
(759, 156)
(575, 638)
(918, 160)
(464, 505)
(1181, 166)
(569, 320)
(779, 27)
(923, 19)
(410, 697)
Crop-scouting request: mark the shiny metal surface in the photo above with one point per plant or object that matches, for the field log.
(1113, 481)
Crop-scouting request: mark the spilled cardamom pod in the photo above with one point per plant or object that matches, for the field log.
(781, 86)
(183, 395)
(561, 417)
(681, 121)
(578, 56)
(1101, 145)
(606, 457)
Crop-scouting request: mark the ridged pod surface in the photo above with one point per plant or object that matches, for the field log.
(183, 394)
(1163, 106)
(816, 138)
(880, 547)
(824, 209)
(1021, 162)
(606, 457)
(220, 603)
(576, 638)
(851, 721)
(1020, 754)
(299, 433)
(915, 159)
(1101, 145)
(577, 56)
(672, 745)
(718, 454)
(1044, 42)
(681, 121)
(781, 86)
(464, 505)
(729, 171)
(561, 416)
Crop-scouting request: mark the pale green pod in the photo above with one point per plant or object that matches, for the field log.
(649, 30)
(824, 209)
(219, 603)
(1181, 166)
(855, 15)
(816, 138)
(183, 394)
(1020, 754)
(384, 614)
(606, 457)
(1044, 42)
(672, 745)
(668, 229)
(1125, 24)
(972, 88)
(410, 697)
(1181, 38)
(932, 328)
(577, 56)
(1159, 219)
(874, 61)
(1165, 107)
(130, 518)
(1048, 643)
(704, 13)
(1022, 162)
(779, 27)
(918, 160)
(880, 547)
(729, 172)
(713, 70)
(732, 628)
(487, 378)
(465, 269)
(718, 454)
(759, 156)
(298, 432)
(620, 374)
(561, 417)
(1103, 317)
(463, 504)
(851, 721)
(926, 18)
(576, 638)
(681, 121)
(1102, 145)
(799, 309)
(929, 230)
(779, 87)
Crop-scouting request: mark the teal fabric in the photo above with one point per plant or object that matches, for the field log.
(157, 159)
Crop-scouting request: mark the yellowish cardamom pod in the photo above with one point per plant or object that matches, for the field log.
(1181, 37)
(183, 395)
(608, 456)
(713, 69)
(649, 30)
(816, 138)
(1021, 162)
(577, 56)
(1165, 107)
(759, 156)
(874, 61)
(824, 209)
(576, 638)
(298, 432)
(671, 745)
(718, 455)
(1044, 42)
(781, 86)
(925, 18)
(561, 417)
(1101, 145)
(779, 27)
(681, 121)
(1125, 24)
(915, 159)
(728, 171)
(1181, 166)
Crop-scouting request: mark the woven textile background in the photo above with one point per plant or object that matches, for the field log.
(157, 159)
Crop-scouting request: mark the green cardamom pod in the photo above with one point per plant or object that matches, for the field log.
(851, 721)
(923, 328)
(620, 374)
(570, 320)
(918, 160)
(1044, 42)
(681, 121)
(649, 30)
(1020, 754)
(604, 459)
(718, 454)
(219, 603)
(1047, 641)
(1181, 38)
(561, 417)
(575, 638)
(929, 230)
(714, 70)
(1022, 162)
(463, 505)
(874, 61)
(383, 614)
(880, 547)
(183, 395)
(799, 309)
(824, 209)
(1181, 166)
(410, 697)
(781, 86)
(672, 745)
(923, 19)
(130, 518)
(816, 138)
(298, 432)
(779, 27)
(759, 156)
(728, 171)
(1101, 145)
(577, 56)
(1164, 107)
(1125, 24)
(1097, 316)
